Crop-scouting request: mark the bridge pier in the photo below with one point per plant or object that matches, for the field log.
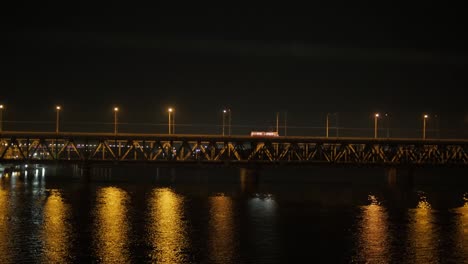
(249, 179)
(400, 177)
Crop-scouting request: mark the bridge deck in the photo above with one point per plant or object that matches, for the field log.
(79, 147)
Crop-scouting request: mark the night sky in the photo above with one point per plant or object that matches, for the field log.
(257, 59)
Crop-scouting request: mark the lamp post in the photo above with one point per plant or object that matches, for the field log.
(277, 123)
(229, 121)
(425, 117)
(376, 118)
(116, 109)
(58, 108)
(169, 124)
(224, 119)
(387, 124)
(327, 124)
(1, 117)
(173, 122)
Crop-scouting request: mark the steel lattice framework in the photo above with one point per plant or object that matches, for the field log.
(35, 147)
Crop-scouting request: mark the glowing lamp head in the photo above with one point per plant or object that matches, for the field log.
(426, 116)
(116, 109)
(58, 107)
(224, 111)
(377, 115)
(170, 110)
(1, 106)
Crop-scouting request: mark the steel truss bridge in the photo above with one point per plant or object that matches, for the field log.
(89, 148)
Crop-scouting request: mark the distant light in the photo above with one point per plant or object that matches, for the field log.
(224, 111)
(377, 115)
(58, 107)
(170, 110)
(1, 106)
(426, 116)
(116, 109)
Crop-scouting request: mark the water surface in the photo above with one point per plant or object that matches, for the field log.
(58, 222)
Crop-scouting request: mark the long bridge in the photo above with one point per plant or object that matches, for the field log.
(94, 148)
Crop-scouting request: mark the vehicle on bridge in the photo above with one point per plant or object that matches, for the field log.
(264, 134)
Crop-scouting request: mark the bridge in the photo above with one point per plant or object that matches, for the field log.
(96, 148)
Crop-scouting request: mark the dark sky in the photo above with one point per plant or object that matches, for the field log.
(256, 58)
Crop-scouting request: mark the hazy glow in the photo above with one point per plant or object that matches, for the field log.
(422, 236)
(167, 227)
(116, 109)
(426, 116)
(222, 242)
(377, 115)
(58, 107)
(56, 231)
(1, 106)
(373, 245)
(170, 110)
(112, 225)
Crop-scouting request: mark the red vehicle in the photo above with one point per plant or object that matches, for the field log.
(263, 134)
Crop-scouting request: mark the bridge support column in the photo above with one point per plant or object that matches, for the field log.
(85, 172)
(249, 179)
(402, 177)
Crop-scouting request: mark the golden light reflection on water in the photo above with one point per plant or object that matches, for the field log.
(168, 229)
(5, 234)
(422, 233)
(56, 232)
(112, 225)
(221, 229)
(373, 233)
(462, 237)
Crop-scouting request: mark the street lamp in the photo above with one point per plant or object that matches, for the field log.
(224, 119)
(116, 109)
(1, 117)
(170, 111)
(228, 112)
(387, 124)
(376, 118)
(425, 117)
(58, 108)
(327, 125)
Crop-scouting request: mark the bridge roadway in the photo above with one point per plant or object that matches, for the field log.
(89, 148)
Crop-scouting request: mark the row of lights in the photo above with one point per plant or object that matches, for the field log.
(170, 110)
(171, 121)
(377, 115)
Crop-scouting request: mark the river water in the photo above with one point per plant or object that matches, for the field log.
(50, 221)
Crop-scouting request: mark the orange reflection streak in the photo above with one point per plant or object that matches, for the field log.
(374, 237)
(56, 232)
(221, 229)
(5, 247)
(462, 237)
(422, 236)
(112, 225)
(168, 230)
